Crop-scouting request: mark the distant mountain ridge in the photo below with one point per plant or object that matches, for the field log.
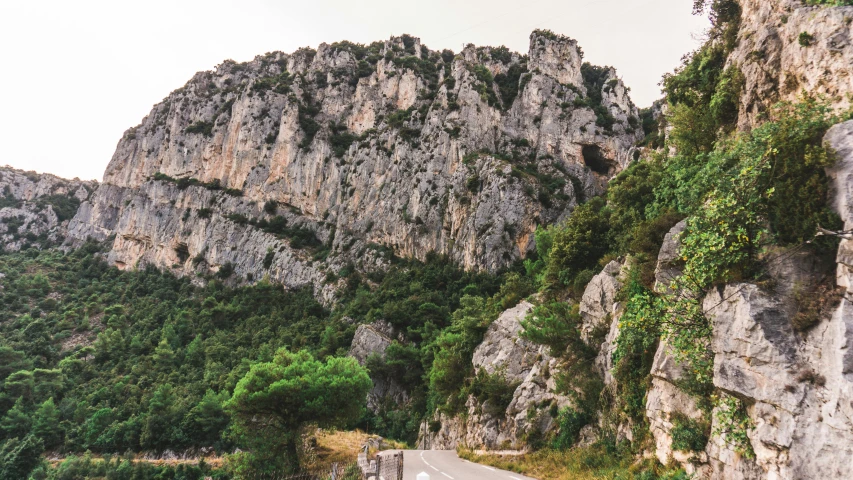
(359, 151)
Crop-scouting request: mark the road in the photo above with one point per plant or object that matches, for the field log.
(446, 465)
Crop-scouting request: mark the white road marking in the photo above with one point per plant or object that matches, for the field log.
(446, 475)
(514, 478)
(492, 469)
(433, 468)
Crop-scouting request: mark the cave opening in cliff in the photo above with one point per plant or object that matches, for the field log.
(594, 158)
(183, 252)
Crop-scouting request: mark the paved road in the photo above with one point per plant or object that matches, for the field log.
(446, 465)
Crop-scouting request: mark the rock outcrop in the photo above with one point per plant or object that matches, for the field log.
(366, 148)
(524, 365)
(372, 340)
(600, 312)
(35, 208)
(795, 382)
(532, 371)
(785, 47)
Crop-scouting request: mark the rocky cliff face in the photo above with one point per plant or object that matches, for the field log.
(362, 149)
(785, 47)
(794, 379)
(372, 340)
(35, 209)
(531, 372)
(525, 366)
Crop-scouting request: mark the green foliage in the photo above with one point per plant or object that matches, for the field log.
(73, 468)
(636, 345)
(9, 200)
(299, 236)
(202, 127)
(268, 258)
(341, 139)
(493, 391)
(508, 83)
(156, 365)
(615, 225)
(64, 206)
(453, 349)
(276, 399)
(485, 84)
(473, 183)
(185, 182)
(569, 425)
(806, 39)
(702, 93)
(280, 83)
(764, 187)
(654, 138)
(688, 435)
(557, 325)
(594, 79)
(577, 245)
(733, 423)
(270, 207)
(398, 118)
(19, 457)
(305, 117)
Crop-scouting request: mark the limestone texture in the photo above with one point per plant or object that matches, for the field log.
(779, 63)
(35, 209)
(369, 149)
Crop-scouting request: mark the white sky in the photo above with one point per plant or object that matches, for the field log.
(76, 74)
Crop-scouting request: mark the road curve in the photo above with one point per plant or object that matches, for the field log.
(446, 465)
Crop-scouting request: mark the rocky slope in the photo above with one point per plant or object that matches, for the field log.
(532, 373)
(785, 47)
(35, 209)
(359, 150)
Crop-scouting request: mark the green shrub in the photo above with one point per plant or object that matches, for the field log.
(508, 83)
(806, 39)
(268, 258)
(340, 139)
(569, 425)
(225, 271)
(688, 435)
(270, 207)
(473, 183)
(202, 127)
(594, 78)
(579, 243)
(493, 391)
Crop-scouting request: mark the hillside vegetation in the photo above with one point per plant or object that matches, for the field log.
(108, 361)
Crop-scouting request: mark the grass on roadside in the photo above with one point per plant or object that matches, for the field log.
(582, 463)
(338, 446)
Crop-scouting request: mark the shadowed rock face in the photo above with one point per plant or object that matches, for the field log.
(390, 145)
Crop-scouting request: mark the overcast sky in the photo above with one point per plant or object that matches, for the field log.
(76, 74)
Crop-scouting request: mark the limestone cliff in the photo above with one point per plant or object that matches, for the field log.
(360, 149)
(794, 379)
(785, 48)
(35, 209)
